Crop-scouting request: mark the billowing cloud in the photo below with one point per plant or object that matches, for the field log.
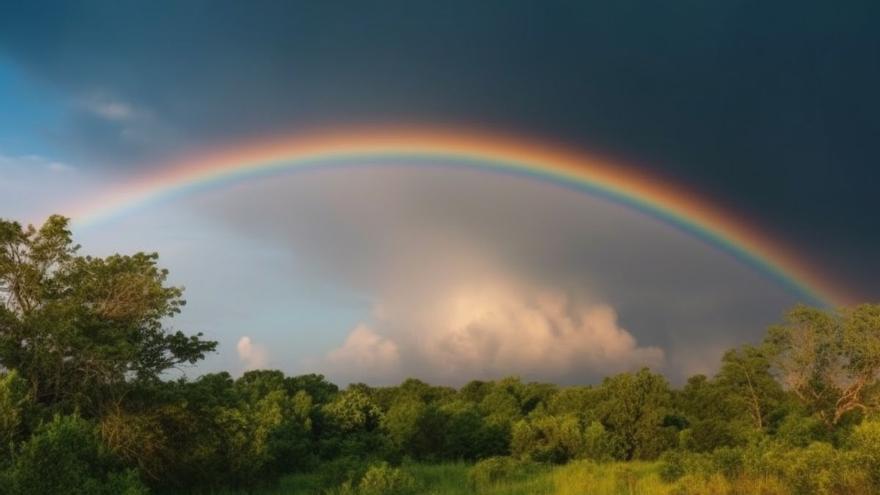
(252, 355)
(365, 356)
(489, 331)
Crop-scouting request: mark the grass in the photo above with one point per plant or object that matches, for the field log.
(633, 478)
(575, 478)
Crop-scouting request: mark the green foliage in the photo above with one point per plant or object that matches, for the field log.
(554, 439)
(85, 407)
(79, 329)
(354, 410)
(829, 360)
(382, 479)
(634, 409)
(865, 444)
(798, 430)
(15, 404)
(469, 436)
(66, 457)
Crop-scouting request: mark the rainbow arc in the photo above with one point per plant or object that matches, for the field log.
(659, 198)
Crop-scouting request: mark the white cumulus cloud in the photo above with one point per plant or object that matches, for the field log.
(488, 331)
(373, 356)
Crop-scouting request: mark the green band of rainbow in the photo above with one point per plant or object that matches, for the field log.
(658, 198)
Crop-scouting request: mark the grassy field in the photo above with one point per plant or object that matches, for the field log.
(577, 478)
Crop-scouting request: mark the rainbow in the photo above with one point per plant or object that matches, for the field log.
(650, 195)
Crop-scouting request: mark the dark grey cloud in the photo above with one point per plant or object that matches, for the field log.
(768, 107)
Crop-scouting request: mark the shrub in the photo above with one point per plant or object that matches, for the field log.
(66, 457)
(554, 439)
(597, 443)
(818, 469)
(800, 431)
(671, 466)
(382, 479)
(729, 462)
(865, 445)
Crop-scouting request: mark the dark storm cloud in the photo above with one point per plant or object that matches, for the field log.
(769, 107)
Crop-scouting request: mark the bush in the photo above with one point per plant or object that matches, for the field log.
(597, 443)
(671, 466)
(553, 439)
(66, 457)
(818, 469)
(865, 445)
(382, 479)
(729, 462)
(801, 431)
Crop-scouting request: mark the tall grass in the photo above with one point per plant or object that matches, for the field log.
(575, 478)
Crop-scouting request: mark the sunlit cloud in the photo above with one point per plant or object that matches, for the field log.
(454, 334)
(252, 355)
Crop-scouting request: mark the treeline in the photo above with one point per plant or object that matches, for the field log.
(84, 408)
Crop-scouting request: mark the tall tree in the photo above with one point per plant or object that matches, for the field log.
(634, 408)
(80, 328)
(748, 385)
(830, 360)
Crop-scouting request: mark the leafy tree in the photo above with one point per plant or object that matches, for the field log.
(416, 428)
(544, 438)
(597, 443)
(469, 436)
(256, 384)
(748, 386)
(829, 360)
(79, 328)
(319, 389)
(634, 408)
(575, 400)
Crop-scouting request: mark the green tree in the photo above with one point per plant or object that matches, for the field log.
(634, 408)
(545, 438)
(469, 436)
(319, 389)
(747, 385)
(79, 328)
(829, 360)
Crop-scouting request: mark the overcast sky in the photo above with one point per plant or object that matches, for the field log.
(378, 273)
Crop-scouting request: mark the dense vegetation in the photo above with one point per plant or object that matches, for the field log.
(86, 407)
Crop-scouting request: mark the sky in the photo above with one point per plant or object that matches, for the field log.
(374, 272)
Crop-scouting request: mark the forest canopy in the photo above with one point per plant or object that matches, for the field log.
(87, 405)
